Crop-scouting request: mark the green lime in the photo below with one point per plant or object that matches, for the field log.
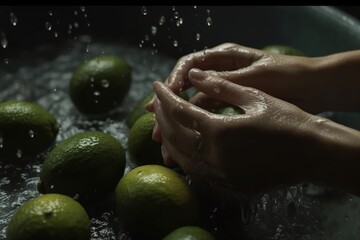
(153, 200)
(86, 166)
(100, 84)
(282, 49)
(140, 110)
(189, 233)
(142, 148)
(26, 129)
(50, 216)
(230, 111)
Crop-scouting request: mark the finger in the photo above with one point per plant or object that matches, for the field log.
(185, 113)
(232, 57)
(224, 90)
(156, 134)
(168, 161)
(176, 134)
(204, 101)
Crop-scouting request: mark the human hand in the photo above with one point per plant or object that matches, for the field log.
(264, 147)
(289, 78)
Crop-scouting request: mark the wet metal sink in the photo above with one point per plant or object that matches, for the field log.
(40, 47)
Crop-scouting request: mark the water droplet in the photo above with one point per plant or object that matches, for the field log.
(162, 20)
(88, 24)
(56, 34)
(76, 196)
(48, 26)
(3, 40)
(105, 83)
(140, 45)
(175, 43)
(179, 22)
(6, 60)
(176, 15)
(85, 15)
(216, 89)
(153, 30)
(19, 153)
(50, 13)
(197, 36)
(75, 12)
(143, 10)
(97, 93)
(320, 120)
(195, 7)
(173, 8)
(70, 26)
(146, 37)
(82, 8)
(52, 186)
(76, 24)
(31, 133)
(209, 21)
(13, 19)
(54, 90)
(87, 47)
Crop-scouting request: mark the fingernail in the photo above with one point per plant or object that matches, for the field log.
(197, 74)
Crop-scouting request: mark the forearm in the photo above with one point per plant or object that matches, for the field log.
(336, 155)
(338, 81)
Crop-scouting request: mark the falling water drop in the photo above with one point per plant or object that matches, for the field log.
(87, 47)
(105, 83)
(175, 43)
(162, 20)
(146, 37)
(97, 93)
(56, 34)
(144, 10)
(197, 36)
(13, 19)
(76, 24)
(48, 26)
(50, 13)
(31, 133)
(153, 30)
(195, 7)
(82, 8)
(75, 13)
(209, 21)
(19, 153)
(179, 22)
(176, 15)
(3, 40)
(6, 61)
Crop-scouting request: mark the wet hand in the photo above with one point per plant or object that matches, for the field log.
(250, 151)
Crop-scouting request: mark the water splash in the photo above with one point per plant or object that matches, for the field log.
(13, 19)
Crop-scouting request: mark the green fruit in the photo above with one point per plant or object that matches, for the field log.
(140, 110)
(26, 129)
(153, 200)
(50, 216)
(230, 111)
(141, 147)
(100, 84)
(86, 166)
(189, 233)
(282, 49)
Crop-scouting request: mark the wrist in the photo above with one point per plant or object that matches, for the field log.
(334, 155)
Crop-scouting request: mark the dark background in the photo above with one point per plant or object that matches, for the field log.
(352, 10)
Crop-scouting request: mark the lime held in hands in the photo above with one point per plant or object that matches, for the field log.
(100, 84)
